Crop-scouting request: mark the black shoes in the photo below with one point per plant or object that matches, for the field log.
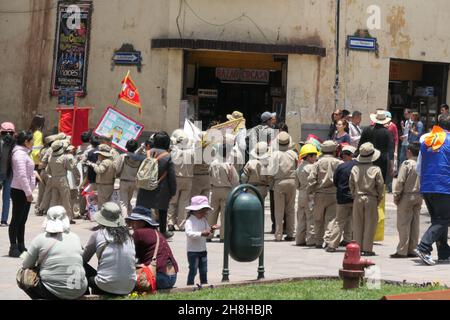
(344, 243)
(21, 247)
(14, 251)
(287, 238)
(398, 256)
(170, 227)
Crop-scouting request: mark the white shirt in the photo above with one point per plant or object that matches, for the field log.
(194, 228)
(355, 134)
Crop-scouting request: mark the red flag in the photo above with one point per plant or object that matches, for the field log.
(130, 93)
(74, 122)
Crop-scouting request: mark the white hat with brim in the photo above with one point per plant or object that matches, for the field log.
(56, 220)
(368, 154)
(380, 117)
(110, 215)
(199, 203)
(350, 149)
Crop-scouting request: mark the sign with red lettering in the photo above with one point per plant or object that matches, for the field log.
(242, 75)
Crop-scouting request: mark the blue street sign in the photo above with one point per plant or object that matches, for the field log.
(128, 58)
(366, 44)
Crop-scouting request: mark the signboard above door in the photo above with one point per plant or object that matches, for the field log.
(242, 75)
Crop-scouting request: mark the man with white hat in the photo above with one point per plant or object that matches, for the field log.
(282, 166)
(344, 211)
(58, 166)
(366, 186)
(321, 185)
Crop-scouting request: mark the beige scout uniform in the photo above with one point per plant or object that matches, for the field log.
(223, 179)
(127, 171)
(183, 160)
(282, 168)
(367, 186)
(58, 167)
(320, 183)
(201, 184)
(305, 217)
(255, 173)
(44, 157)
(104, 181)
(407, 195)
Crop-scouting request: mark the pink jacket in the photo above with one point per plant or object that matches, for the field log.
(23, 170)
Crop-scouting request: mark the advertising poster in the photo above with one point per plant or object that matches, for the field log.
(71, 48)
(121, 127)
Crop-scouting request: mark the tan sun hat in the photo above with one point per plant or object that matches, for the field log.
(58, 147)
(380, 117)
(260, 151)
(104, 150)
(235, 115)
(179, 137)
(328, 146)
(110, 215)
(350, 149)
(368, 153)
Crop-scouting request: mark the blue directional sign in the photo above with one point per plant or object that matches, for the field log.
(365, 44)
(128, 58)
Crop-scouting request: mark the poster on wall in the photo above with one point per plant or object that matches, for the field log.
(119, 126)
(73, 26)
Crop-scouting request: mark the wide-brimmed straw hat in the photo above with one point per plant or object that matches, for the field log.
(284, 140)
(199, 203)
(110, 215)
(56, 220)
(235, 115)
(368, 153)
(104, 150)
(380, 117)
(260, 151)
(141, 213)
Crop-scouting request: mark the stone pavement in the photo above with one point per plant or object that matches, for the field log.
(282, 260)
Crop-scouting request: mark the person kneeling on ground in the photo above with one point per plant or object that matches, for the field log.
(57, 253)
(152, 244)
(114, 246)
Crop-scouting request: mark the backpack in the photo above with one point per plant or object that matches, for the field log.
(147, 175)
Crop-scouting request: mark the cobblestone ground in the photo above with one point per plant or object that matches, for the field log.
(281, 259)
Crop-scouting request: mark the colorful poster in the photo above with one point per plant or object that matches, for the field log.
(71, 47)
(119, 126)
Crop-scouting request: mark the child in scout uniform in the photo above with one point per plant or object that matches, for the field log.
(305, 219)
(344, 211)
(408, 199)
(58, 166)
(183, 160)
(105, 174)
(255, 171)
(320, 184)
(201, 184)
(74, 181)
(282, 166)
(126, 171)
(366, 185)
(224, 178)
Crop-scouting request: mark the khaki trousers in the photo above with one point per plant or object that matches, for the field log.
(126, 192)
(284, 194)
(176, 215)
(365, 220)
(408, 223)
(305, 221)
(342, 225)
(60, 194)
(104, 193)
(218, 202)
(41, 186)
(201, 186)
(263, 190)
(324, 214)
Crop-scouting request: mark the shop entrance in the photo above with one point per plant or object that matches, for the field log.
(420, 86)
(218, 83)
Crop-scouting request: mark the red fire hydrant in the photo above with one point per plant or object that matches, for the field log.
(354, 266)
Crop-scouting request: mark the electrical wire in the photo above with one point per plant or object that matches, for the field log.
(178, 18)
(28, 11)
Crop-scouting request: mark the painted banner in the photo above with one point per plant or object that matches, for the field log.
(119, 126)
(71, 47)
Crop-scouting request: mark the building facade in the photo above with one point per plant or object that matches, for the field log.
(203, 59)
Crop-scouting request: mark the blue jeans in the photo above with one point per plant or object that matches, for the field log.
(6, 197)
(164, 281)
(197, 260)
(402, 156)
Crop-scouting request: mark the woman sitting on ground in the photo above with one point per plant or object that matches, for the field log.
(145, 237)
(114, 246)
(58, 255)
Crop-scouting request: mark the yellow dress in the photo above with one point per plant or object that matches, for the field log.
(38, 143)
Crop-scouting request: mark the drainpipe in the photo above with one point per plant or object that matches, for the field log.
(336, 84)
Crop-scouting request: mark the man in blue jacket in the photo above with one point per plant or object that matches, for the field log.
(434, 168)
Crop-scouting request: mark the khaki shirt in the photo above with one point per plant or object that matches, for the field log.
(201, 169)
(106, 172)
(255, 173)
(366, 180)
(301, 175)
(183, 161)
(58, 166)
(407, 181)
(282, 165)
(223, 174)
(44, 156)
(320, 180)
